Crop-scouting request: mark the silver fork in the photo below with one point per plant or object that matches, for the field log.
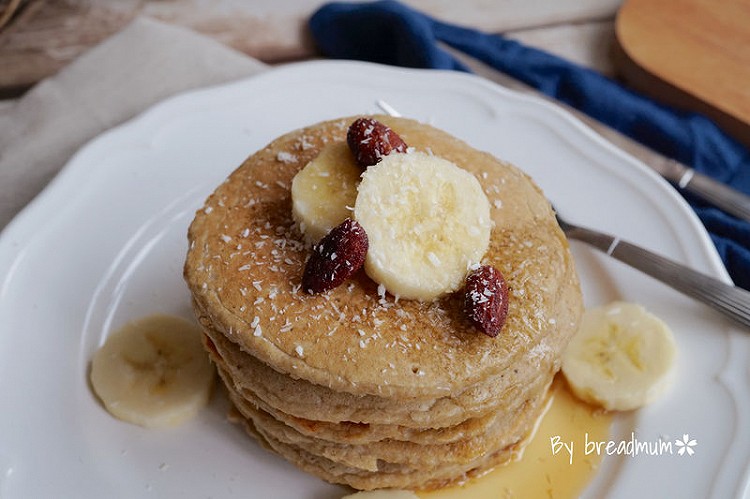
(730, 300)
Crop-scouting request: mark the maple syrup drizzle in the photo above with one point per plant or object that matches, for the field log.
(538, 472)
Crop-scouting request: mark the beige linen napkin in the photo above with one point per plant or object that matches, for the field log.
(139, 66)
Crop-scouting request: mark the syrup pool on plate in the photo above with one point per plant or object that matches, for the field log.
(538, 472)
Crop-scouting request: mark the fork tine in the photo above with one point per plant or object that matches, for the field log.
(564, 225)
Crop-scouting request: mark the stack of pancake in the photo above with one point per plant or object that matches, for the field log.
(354, 385)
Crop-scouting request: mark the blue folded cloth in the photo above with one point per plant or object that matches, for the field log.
(389, 32)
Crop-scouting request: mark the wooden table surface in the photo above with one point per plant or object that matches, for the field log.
(38, 37)
(42, 36)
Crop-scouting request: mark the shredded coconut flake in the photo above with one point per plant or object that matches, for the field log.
(286, 157)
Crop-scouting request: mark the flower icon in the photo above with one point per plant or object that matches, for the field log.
(685, 445)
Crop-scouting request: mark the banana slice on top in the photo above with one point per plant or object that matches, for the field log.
(323, 192)
(621, 358)
(427, 220)
(153, 372)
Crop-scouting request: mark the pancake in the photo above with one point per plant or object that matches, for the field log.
(306, 400)
(307, 336)
(348, 432)
(369, 390)
(391, 475)
(416, 456)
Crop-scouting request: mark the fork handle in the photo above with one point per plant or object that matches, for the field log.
(730, 300)
(726, 198)
(687, 179)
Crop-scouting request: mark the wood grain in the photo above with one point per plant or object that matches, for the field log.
(694, 54)
(47, 34)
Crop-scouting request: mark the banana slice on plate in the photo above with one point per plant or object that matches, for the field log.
(427, 220)
(153, 372)
(323, 192)
(621, 358)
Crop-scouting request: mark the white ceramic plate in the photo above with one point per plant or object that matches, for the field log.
(105, 242)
